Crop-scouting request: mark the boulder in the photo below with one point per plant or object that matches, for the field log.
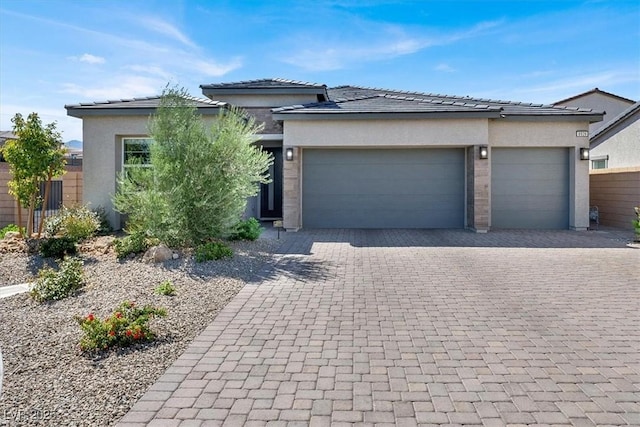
(156, 254)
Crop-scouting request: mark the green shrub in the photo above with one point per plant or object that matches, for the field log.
(166, 288)
(636, 223)
(76, 222)
(104, 227)
(213, 250)
(127, 325)
(55, 285)
(132, 244)
(8, 228)
(249, 229)
(57, 247)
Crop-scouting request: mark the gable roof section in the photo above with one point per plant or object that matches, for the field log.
(594, 91)
(136, 107)
(374, 102)
(265, 86)
(618, 123)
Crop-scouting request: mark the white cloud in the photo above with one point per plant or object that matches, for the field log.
(151, 69)
(445, 68)
(167, 29)
(212, 68)
(91, 59)
(120, 87)
(382, 42)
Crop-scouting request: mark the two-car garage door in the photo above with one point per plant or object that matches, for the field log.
(383, 188)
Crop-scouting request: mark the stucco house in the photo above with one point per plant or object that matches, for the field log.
(615, 168)
(356, 157)
(596, 99)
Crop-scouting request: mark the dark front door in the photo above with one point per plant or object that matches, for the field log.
(271, 194)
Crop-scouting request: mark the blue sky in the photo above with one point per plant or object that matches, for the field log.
(54, 53)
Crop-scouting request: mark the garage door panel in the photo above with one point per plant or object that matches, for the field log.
(530, 188)
(383, 188)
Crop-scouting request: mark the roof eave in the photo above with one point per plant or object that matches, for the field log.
(80, 112)
(591, 118)
(342, 115)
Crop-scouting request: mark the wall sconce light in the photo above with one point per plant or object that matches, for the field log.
(288, 154)
(484, 152)
(584, 154)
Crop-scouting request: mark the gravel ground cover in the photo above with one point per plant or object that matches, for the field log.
(49, 382)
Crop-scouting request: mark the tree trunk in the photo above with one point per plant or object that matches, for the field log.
(32, 208)
(20, 219)
(47, 188)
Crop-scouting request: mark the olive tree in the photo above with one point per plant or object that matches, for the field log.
(200, 177)
(35, 157)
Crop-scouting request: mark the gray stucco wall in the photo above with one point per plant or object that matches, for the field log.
(599, 102)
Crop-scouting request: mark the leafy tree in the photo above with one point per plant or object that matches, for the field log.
(35, 157)
(200, 179)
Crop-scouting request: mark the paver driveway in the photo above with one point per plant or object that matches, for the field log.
(410, 328)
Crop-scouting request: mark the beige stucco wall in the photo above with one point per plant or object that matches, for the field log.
(376, 133)
(512, 133)
(623, 148)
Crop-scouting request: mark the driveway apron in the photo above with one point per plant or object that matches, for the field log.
(403, 327)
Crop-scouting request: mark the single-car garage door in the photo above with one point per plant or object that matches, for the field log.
(383, 188)
(530, 188)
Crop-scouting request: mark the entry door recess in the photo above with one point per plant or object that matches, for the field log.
(271, 194)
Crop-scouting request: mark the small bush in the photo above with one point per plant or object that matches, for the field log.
(8, 228)
(636, 223)
(132, 244)
(213, 250)
(249, 229)
(57, 247)
(127, 325)
(166, 289)
(55, 285)
(76, 222)
(105, 227)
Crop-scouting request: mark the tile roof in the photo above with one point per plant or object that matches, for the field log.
(264, 84)
(388, 103)
(355, 99)
(147, 102)
(594, 90)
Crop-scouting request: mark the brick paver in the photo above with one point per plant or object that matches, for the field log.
(400, 327)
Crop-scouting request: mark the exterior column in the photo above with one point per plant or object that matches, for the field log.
(291, 184)
(478, 190)
(578, 191)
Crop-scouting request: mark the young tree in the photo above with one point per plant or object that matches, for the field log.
(200, 179)
(35, 157)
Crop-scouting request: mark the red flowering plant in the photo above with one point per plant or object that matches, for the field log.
(127, 325)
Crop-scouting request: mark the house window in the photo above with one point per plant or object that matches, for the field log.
(600, 162)
(135, 152)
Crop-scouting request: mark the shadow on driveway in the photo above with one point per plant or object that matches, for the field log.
(302, 241)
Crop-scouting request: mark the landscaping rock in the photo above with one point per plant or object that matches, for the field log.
(157, 254)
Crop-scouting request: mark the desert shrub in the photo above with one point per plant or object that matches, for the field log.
(8, 228)
(636, 223)
(57, 247)
(53, 285)
(212, 251)
(200, 178)
(166, 288)
(127, 325)
(76, 222)
(104, 227)
(131, 244)
(249, 229)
